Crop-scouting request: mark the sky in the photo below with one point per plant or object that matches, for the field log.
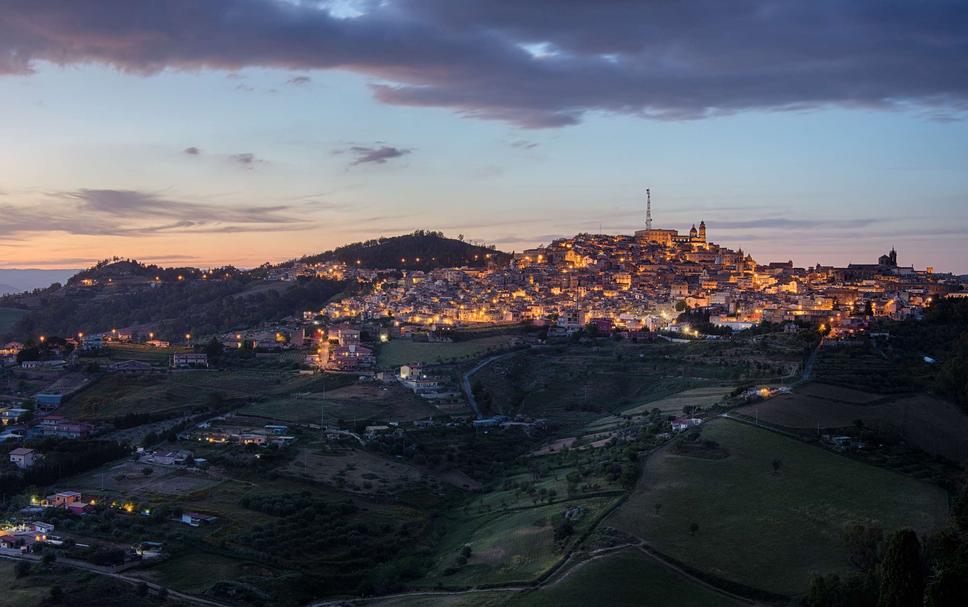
(244, 131)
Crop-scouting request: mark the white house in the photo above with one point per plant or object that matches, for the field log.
(23, 457)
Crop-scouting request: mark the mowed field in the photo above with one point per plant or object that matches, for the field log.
(401, 351)
(934, 425)
(9, 317)
(765, 530)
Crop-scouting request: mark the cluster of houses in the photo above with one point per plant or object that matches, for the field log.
(23, 536)
(221, 434)
(424, 382)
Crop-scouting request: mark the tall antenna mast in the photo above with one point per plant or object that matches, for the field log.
(648, 209)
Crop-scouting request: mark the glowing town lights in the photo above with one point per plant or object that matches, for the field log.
(151, 335)
(42, 339)
(188, 336)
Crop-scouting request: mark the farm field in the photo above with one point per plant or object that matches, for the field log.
(127, 478)
(579, 384)
(9, 317)
(358, 471)
(672, 405)
(936, 426)
(401, 351)
(357, 402)
(24, 592)
(513, 546)
(84, 589)
(763, 529)
(156, 356)
(196, 572)
(117, 395)
(628, 578)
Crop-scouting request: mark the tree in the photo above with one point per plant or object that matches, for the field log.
(693, 528)
(902, 576)
(777, 464)
(863, 546)
(658, 507)
(147, 471)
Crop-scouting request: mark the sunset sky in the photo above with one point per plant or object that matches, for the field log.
(242, 131)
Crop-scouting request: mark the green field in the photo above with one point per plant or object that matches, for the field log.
(401, 351)
(766, 530)
(628, 579)
(80, 588)
(24, 592)
(156, 356)
(9, 317)
(513, 546)
(358, 402)
(117, 395)
(672, 405)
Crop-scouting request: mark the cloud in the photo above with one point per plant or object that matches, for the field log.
(133, 213)
(246, 160)
(543, 63)
(374, 154)
(522, 144)
(192, 151)
(299, 81)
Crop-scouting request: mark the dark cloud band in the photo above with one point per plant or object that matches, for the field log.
(541, 63)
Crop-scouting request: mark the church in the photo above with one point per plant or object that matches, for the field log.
(667, 238)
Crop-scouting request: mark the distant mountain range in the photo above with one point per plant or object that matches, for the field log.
(17, 281)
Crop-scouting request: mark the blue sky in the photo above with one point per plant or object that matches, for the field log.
(294, 159)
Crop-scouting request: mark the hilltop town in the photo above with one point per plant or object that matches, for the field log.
(157, 418)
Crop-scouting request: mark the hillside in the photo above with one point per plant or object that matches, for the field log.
(421, 250)
(167, 301)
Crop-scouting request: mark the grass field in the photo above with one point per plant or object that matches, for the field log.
(358, 402)
(196, 572)
(117, 395)
(400, 352)
(766, 530)
(935, 426)
(514, 546)
(9, 317)
(23, 592)
(156, 356)
(628, 579)
(671, 405)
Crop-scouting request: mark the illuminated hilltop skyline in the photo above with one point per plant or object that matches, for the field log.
(254, 143)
